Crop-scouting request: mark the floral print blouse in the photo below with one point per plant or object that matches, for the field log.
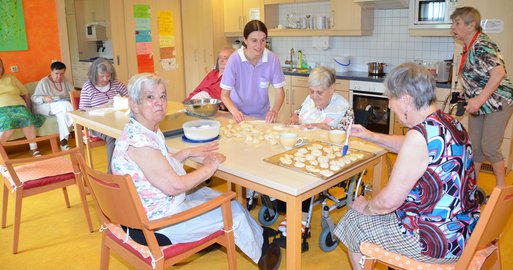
(155, 202)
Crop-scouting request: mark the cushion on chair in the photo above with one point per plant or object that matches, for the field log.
(374, 251)
(117, 234)
(42, 172)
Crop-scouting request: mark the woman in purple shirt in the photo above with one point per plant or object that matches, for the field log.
(247, 77)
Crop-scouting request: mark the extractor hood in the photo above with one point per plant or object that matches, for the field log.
(383, 4)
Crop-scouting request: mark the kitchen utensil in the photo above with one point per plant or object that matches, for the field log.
(343, 63)
(201, 130)
(346, 143)
(309, 22)
(204, 107)
(376, 68)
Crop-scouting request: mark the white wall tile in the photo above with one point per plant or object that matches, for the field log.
(389, 43)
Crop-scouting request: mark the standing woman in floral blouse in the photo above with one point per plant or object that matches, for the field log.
(486, 87)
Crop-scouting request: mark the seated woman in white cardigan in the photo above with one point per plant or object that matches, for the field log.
(51, 97)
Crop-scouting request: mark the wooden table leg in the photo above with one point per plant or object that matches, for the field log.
(379, 175)
(79, 138)
(293, 232)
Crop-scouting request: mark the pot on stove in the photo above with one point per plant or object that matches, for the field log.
(376, 68)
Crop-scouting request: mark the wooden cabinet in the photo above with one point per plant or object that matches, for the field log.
(296, 91)
(270, 2)
(79, 73)
(342, 88)
(203, 38)
(237, 14)
(350, 18)
(346, 19)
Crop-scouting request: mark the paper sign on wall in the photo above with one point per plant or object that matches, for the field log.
(167, 40)
(143, 39)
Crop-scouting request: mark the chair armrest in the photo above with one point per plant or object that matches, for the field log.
(225, 197)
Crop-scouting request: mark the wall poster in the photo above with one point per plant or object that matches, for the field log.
(12, 26)
(167, 40)
(143, 46)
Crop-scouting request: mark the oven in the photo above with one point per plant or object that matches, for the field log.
(368, 101)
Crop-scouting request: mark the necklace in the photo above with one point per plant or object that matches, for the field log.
(55, 85)
(465, 52)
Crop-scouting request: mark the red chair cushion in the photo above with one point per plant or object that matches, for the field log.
(47, 180)
(41, 172)
(169, 251)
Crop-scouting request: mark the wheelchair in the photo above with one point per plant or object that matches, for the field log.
(353, 187)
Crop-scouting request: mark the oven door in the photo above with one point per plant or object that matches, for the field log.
(377, 107)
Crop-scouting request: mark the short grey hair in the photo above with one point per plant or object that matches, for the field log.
(468, 15)
(142, 81)
(322, 76)
(100, 65)
(414, 80)
(138, 83)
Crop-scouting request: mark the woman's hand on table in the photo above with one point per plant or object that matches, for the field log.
(213, 160)
(271, 116)
(203, 150)
(293, 120)
(238, 116)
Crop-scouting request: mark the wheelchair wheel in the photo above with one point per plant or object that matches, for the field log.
(265, 217)
(326, 243)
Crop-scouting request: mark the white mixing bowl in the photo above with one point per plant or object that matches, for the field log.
(201, 130)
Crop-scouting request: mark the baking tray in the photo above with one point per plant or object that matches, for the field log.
(353, 157)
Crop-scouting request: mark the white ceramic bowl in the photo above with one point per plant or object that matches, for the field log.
(201, 130)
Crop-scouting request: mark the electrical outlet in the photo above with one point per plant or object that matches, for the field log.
(14, 68)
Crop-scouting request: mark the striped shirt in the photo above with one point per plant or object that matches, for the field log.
(91, 97)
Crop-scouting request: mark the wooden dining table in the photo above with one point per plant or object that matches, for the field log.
(245, 167)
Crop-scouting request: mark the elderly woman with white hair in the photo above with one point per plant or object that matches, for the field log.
(428, 208)
(163, 185)
(322, 108)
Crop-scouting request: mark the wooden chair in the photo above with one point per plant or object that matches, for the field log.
(117, 203)
(481, 251)
(24, 177)
(90, 142)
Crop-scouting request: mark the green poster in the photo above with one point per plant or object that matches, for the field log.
(12, 26)
(142, 11)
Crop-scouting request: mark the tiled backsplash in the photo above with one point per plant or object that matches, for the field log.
(390, 42)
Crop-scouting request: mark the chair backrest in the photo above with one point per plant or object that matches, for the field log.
(115, 197)
(75, 99)
(491, 224)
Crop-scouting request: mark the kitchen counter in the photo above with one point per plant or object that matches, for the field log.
(354, 75)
